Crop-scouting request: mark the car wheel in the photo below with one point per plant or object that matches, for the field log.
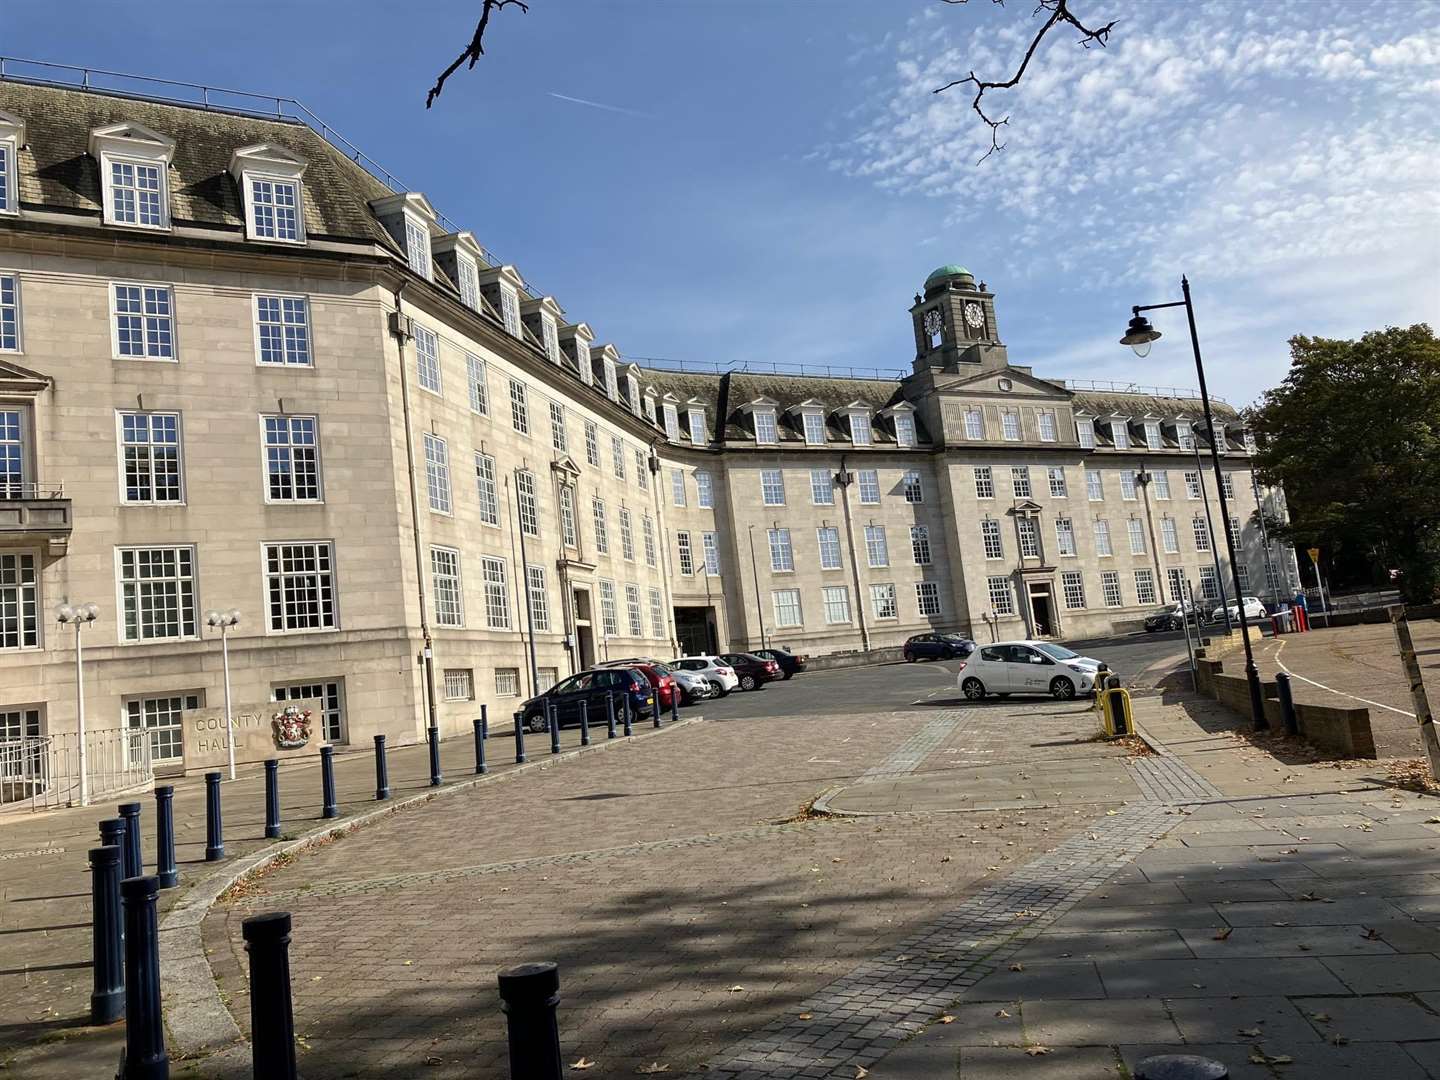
(537, 723)
(1061, 688)
(747, 682)
(909, 658)
(787, 675)
(973, 689)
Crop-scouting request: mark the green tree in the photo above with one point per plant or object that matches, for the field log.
(1353, 435)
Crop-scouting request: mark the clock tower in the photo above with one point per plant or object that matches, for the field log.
(955, 324)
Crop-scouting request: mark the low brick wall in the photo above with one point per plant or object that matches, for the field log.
(1218, 645)
(854, 659)
(1372, 615)
(1341, 731)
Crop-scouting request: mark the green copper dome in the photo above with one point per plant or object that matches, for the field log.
(949, 270)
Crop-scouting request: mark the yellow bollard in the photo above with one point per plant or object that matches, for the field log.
(1119, 720)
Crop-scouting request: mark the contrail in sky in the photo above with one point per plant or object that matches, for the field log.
(599, 105)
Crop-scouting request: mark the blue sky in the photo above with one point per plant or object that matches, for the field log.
(773, 179)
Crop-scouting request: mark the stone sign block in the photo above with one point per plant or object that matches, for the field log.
(204, 736)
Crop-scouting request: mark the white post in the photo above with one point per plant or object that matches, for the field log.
(80, 713)
(229, 720)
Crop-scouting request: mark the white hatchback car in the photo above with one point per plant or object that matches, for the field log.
(1026, 667)
(1254, 610)
(721, 675)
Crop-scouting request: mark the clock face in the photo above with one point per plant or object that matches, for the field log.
(974, 316)
(934, 322)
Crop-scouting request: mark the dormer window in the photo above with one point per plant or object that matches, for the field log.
(510, 309)
(814, 424)
(417, 246)
(672, 422)
(650, 407)
(632, 392)
(550, 336)
(407, 218)
(134, 170)
(582, 360)
(904, 429)
(1249, 438)
(469, 281)
(697, 426)
(612, 386)
(1185, 434)
(12, 137)
(1120, 432)
(766, 431)
(860, 428)
(1152, 435)
(1085, 432)
(269, 177)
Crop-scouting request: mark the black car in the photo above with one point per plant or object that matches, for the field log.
(754, 671)
(790, 664)
(595, 688)
(938, 647)
(1170, 619)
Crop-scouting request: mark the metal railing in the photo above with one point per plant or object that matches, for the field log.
(761, 367)
(44, 770)
(31, 489)
(1112, 386)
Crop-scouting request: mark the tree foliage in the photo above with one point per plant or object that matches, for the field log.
(1353, 434)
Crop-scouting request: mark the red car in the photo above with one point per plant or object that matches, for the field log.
(658, 674)
(754, 671)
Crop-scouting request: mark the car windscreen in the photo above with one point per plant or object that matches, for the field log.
(1059, 652)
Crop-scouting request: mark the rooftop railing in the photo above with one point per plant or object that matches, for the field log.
(762, 367)
(1111, 386)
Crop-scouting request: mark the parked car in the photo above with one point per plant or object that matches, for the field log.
(1026, 667)
(721, 675)
(1254, 609)
(595, 688)
(790, 664)
(657, 674)
(753, 671)
(938, 647)
(1174, 617)
(692, 685)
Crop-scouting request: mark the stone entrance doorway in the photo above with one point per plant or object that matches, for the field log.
(1042, 610)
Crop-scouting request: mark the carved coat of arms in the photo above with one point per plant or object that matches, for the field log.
(291, 726)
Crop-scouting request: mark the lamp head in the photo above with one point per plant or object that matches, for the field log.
(65, 613)
(233, 615)
(90, 612)
(212, 618)
(1140, 335)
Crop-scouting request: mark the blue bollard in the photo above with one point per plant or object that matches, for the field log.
(112, 834)
(214, 830)
(272, 799)
(382, 771)
(131, 864)
(327, 783)
(485, 721)
(145, 1057)
(107, 996)
(554, 716)
(1287, 704)
(432, 736)
(519, 739)
(529, 994)
(584, 723)
(610, 714)
(272, 1015)
(480, 767)
(165, 868)
(629, 713)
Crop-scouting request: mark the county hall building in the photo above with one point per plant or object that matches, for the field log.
(238, 372)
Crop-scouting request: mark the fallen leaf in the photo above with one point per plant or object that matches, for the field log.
(1036, 1051)
(653, 1067)
(1002, 1014)
(945, 858)
(1223, 933)
(1371, 934)
(407, 963)
(1017, 967)
(861, 1072)
(902, 959)
(1323, 1018)
(1289, 851)
(947, 1019)
(737, 989)
(806, 1016)
(583, 1063)
(433, 1060)
(1250, 1033)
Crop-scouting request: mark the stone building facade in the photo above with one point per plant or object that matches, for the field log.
(237, 371)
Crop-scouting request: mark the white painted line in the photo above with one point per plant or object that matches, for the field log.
(1342, 693)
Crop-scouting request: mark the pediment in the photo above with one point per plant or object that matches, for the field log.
(808, 405)
(128, 137)
(267, 157)
(13, 377)
(1020, 384)
(565, 464)
(1026, 506)
(761, 402)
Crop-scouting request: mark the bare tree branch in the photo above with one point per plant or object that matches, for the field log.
(476, 48)
(1059, 14)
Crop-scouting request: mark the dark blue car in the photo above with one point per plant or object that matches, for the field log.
(595, 688)
(938, 647)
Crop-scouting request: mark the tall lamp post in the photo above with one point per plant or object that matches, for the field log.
(79, 616)
(1210, 525)
(223, 621)
(1140, 335)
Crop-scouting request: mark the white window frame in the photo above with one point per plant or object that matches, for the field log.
(772, 487)
(550, 338)
(1103, 547)
(569, 531)
(1009, 425)
(1169, 536)
(20, 600)
(1136, 530)
(294, 338)
(519, 407)
(927, 599)
(697, 426)
(647, 537)
(710, 548)
(12, 337)
(537, 594)
(704, 489)
(107, 181)
(868, 481)
(289, 420)
(627, 535)
(671, 415)
(1152, 435)
(812, 422)
(642, 470)
(592, 443)
(1110, 594)
(601, 525)
(827, 541)
(507, 682)
(990, 540)
(478, 382)
(1145, 586)
(617, 456)
(559, 437)
(822, 487)
(767, 431)
(149, 446)
(883, 602)
(527, 502)
(459, 684)
(146, 355)
(446, 586)
(1046, 420)
(417, 245)
(1072, 589)
(609, 610)
(1193, 487)
(782, 552)
(1020, 479)
(984, 482)
(1028, 530)
(495, 576)
(1094, 485)
(920, 548)
(905, 436)
(788, 613)
(252, 204)
(487, 490)
(322, 553)
(1127, 485)
(427, 360)
(1209, 584)
(657, 614)
(974, 424)
(467, 280)
(677, 486)
(1065, 537)
(634, 618)
(685, 551)
(835, 601)
(913, 484)
(1085, 432)
(1160, 484)
(510, 310)
(9, 185)
(1120, 434)
(439, 493)
(860, 433)
(1001, 593)
(877, 546)
(1200, 530)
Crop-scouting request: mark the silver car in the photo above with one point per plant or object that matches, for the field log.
(720, 674)
(693, 686)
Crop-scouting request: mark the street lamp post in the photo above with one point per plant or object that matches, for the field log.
(79, 616)
(223, 621)
(1140, 335)
(1210, 527)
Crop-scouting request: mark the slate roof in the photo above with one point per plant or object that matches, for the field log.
(1137, 406)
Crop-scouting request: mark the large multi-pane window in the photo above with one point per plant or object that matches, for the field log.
(1235, 531)
(7, 180)
(772, 487)
(1185, 434)
(445, 575)
(822, 488)
(282, 330)
(510, 310)
(1002, 596)
(765, 429)
(9, 303)
(1160, 484)
(657, 613)
(697, 426)
(860, 429)
(559, 439)
(677, 486)
(1168, 539)
(904, 429)
(550, 338)
(459, 684)
(592, 443)
(1227, 484)
(1047, 425)
(150, 443)
(1020, 481)
(882, 601)
(497, 592)
(568, 535)
(1136, 528)
(974, 424)
(710, 544)
(137, 193)
(1102, 537)
(602, 532)
(469, 281)
(1192, 485)
(478, 384)
(12, 453)
(984, 482)
(274, 208)
(144, 322)
(828, 539)
(519, 407)
(1175, 580)
(1209, 583)
(157, 592)
(1029, 530)
(787, 607)
(609, 615)
(162, 720)
(417, 246)
(837, 603)
(927, 597)
(868, 481)
(1144, 586)
(617, 456)
(686, 552)
(672, 422)
(632, 611)
(19, 601)
(647, 534)
(627, 535)
(1120, 432)
(485, 489)
(1127, 483)
(914, 487)
(990, 537)
(782, 556)
(539, 598)
(1072, 587)
(1202, 534)
(437, 473)
(427, 359)
(526, 501)
(1064, 536)
(1243, 572)
(1152, 437)
(1110, 588)
(1010, 425)
(920, 544)
(1094, 485)
(877, 548)
(300, 586)
(1057, 483)
(704, 489)
(292, 458)
(1085, 432)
